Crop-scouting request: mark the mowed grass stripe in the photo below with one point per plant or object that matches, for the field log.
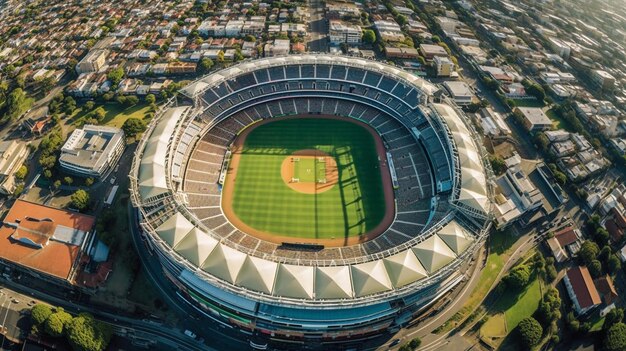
(352, 207)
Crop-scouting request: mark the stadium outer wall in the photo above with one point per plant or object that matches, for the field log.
(284, 322)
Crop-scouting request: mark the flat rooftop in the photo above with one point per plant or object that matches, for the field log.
(43, 238)
(88, 147)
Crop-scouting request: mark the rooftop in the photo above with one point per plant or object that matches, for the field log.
(50, 243)
(582, 285)
(86, 147)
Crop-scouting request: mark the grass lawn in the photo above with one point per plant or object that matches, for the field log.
(517, 306)
(558, 122)
(494, 327)
(115, 116)
(351, 207)
(529, 103)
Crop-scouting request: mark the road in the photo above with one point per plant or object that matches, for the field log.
(318, 27)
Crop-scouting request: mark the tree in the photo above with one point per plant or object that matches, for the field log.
(497, 164)
(613, 317)
(115, 76)
(613, 265)
(588, 252)
(220, 56)
(56, 184)
(99, 113)
(47, 173)
(21, 172)
(39, 313)
(80, 199)
(519, 276)
(595, 268)
(15, 103)
(86, 334)
(89, 181)
(131, 100)
(415, 343)
(47, 161)
(549, 307)
(56, 323)
(530, 331)
(69, 105)
(68, 180)
(205, 65)
(369, 37)
(89, 105)
(615, 339)
(133, 126)
(150, 99)
(249, 38)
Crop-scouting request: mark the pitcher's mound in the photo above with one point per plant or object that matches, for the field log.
(309, 171)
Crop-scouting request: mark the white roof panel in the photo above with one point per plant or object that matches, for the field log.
(433, 253)
(174, 229)
(404, 268)
(294, 281)
(333, 282)
(369, 278)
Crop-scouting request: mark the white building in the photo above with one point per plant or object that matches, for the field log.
(445, 67)
(460, 92)
(12, 157)
(340, 32)
(92, 151)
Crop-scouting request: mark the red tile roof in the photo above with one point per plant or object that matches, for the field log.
(582, 284)
(566, 236)
(607, 289)
(55, 258)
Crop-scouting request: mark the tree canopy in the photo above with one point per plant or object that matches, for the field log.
(530, 331)
(133, 126)
(615, 339)
(588, 252)
(519, 276)
(80, 199)
(57, 322)
(369, 36)
(86, 334)
(115, 76)
(39, 313)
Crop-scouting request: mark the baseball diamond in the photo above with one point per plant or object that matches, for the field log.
(267, 206)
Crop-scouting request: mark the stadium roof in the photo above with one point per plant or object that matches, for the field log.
(152, 168)
(51, 243)
(473, 182)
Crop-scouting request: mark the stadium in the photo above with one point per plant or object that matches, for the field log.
(312, 199)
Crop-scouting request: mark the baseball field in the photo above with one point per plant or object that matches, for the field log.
(307, 179)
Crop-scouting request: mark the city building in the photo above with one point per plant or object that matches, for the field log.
(93, 62)
(92, 151)
(460, 92)
(340, 32)
(429, 51)
(13, 154)
(279, 47)
(534, 119)
(401, 53)
(602, 80)
(445, 66)
(581, 289)
(388, 30)
(45, 242)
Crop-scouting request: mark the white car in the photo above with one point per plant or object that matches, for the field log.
(113, 180)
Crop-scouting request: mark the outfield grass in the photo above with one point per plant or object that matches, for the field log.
(355, 205)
